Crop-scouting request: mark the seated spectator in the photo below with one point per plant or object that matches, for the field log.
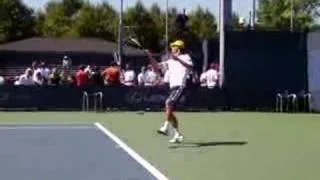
(141, 76)
(44, 72)
(54, 78)
(111, 75)
(34, 65)
(211, 76)
(65, 77)
(151, 77)
(38, 79)
(26, 78)
(82, 76)
(129, 76)
(203, 80)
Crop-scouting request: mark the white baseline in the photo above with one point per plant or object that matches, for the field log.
(155, 172)
(45, 127)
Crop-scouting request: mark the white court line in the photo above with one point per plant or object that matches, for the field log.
(47, 127)
(155, 172)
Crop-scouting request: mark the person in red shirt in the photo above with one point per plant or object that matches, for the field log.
(112, 74)
(82, 77)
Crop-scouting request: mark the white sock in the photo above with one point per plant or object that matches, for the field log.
(165, 126)
(175, 132)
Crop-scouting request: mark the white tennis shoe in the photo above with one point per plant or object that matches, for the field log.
(178, 138)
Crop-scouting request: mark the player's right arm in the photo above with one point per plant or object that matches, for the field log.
(154, 63)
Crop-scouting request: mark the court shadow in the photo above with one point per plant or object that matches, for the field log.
(193, 144)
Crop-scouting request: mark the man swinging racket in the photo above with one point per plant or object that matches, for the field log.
(179, 65)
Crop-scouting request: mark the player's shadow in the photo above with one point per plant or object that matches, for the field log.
(193, 144)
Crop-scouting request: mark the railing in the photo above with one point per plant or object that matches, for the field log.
(98, 99)
(292, 102)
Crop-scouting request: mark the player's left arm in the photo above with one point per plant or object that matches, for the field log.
(185, 61)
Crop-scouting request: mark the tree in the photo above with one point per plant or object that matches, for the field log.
(56, 23)
(40, 19)
(92, 22)
(276, 14)
(159, 18)
(16, 20)
(71, 7)
(142, 26)
(203, 23)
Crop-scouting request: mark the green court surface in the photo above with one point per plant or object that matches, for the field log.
(220, 146)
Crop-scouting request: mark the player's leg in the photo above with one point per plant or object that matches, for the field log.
(167, 123)
(168, 114)
(174, 99)
(177, 137)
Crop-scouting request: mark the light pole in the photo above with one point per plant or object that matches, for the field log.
(222, 43)
(120, 43)
(167, 27)
(253, 14)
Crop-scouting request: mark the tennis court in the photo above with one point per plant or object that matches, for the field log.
(225, 146)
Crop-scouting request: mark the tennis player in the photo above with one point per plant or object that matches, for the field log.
(179, 65)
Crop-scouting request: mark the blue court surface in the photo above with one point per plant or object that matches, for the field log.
(69, 152)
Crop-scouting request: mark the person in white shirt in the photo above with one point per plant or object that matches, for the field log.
(43, 70)
(203, 80)
(179, 66)
(151, 76)
(211, 77)
(26, 79)
(129, 76)
(38, 80)
(141, 76)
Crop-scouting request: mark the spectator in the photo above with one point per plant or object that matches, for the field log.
(54, 78)
(141, 76)
(43, 70)
(203, 81)
(26, 78)
(96, 76)
(111, 75)
(211, 76)
(38, 78)
(82, 77)
(129, 76)
(34, 65)
(66, 62)
(66, 79)
(151, 77)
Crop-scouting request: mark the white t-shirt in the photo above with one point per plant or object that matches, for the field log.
(177, 72)
(24, 80)
(150, 78)
(141, 78)
(203, 79)
(129, 77)
(211, 77)
(45, 73)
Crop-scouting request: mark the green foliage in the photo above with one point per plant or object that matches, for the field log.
(141, 24)
(92, 22)
(56, 23)
(79, 18)
(203, 23)
(16, 20)
(276, 14)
